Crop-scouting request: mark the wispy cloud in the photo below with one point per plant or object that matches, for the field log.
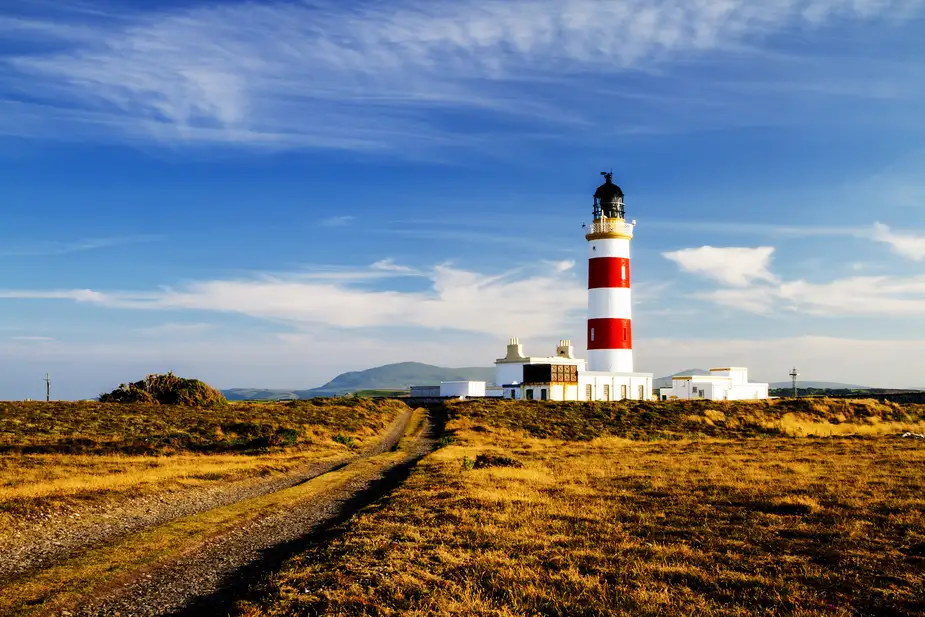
(908, 245)
(363, 76)
(501, 304)
(172, 329)
(749, 285)
(736, 266)
(42, 248)
(337, 221)
(38, 339)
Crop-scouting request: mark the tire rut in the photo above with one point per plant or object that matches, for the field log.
(210, 580)
(52, 543)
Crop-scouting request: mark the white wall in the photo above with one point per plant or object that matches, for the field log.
(462, 388)
(507, 373)
(716, 389)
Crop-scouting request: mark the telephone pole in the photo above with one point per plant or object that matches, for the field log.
(793, 376)
(47, 387)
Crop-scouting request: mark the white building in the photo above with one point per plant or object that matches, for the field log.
(462, 389)
(722, 384)
(563, 377)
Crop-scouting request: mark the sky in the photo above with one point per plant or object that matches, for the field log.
(266, 194)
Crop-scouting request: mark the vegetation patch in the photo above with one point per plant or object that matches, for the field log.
(166, 389)
(92, 427)
(675, 420)
(776, 526)
(495, 460)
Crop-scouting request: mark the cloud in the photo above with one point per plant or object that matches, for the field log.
(509, 303)
(337, 221)
(751, 286)
(908, 245)
(736, 266)
(342, 75)
(855, 296)
(33, 338)
(562, 266)
(50, 248)
(172, 329)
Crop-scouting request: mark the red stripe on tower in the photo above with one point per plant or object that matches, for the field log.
(610, 334)
(608, 272)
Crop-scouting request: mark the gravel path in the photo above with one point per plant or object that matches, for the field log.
(36, 547)
(210, 579)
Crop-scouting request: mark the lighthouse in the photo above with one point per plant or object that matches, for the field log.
(610, 325)
(609, 373)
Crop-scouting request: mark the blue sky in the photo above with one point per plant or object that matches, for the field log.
(267, 194)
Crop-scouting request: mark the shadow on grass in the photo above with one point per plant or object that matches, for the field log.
(249, 582)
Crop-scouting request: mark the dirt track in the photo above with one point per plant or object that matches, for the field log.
(208, 579)
(43, 545)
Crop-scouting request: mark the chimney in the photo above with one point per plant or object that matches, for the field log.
(565, 350)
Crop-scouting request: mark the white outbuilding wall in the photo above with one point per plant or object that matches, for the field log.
(722, 384)
(591, 386)
(457, 389)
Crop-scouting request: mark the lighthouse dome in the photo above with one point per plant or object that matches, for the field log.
(608, 198)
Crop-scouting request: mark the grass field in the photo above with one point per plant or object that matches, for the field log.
(112, 428)
(59, 456)
(712, 510)
(64, 586)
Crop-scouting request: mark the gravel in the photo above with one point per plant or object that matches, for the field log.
(55, 538)
(208, 580)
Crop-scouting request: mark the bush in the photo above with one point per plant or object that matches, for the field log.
(344, 439)
(166, 389)
(494, 460)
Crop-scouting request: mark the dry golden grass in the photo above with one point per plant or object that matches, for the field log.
(607, 526)
(66, 585)
(33, 485)
(647, 420)
(183, 447)
(144, 428)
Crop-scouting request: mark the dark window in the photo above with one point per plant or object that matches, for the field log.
(543, 395)
(530, 394)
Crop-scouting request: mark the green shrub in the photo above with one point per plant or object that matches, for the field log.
(445, 441)
(166, 389)
(344, 439)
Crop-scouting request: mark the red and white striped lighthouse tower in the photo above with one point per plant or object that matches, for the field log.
(610, 327)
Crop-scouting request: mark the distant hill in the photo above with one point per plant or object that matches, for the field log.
(389, 377)
(820, 385)
(665, 382)
(255, 394)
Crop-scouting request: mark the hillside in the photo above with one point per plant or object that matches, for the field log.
(389, 377)
(819, 385)
(665, 382)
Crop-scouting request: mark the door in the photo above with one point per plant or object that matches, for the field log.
(622, 392)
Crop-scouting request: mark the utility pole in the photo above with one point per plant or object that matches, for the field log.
(793, 376)
(47, 387)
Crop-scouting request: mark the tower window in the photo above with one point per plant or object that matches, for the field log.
(592, 334)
